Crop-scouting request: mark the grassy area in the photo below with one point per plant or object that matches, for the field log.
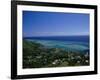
(36, 55)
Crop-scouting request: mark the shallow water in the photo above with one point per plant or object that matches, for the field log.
(66, 45)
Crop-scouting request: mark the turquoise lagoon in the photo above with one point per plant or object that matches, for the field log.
(73, 44)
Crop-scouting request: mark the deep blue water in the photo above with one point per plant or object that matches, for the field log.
(62, 38)
(80, 43)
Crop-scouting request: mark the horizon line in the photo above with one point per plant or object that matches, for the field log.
(56, 35)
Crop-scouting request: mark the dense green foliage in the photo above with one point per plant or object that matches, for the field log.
(36, 55)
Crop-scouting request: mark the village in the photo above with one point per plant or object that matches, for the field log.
(36, 55)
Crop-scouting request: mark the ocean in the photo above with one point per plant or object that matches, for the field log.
(73, 43)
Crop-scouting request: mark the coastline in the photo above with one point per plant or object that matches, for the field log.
(36, 55)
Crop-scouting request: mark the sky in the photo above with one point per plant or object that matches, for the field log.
(54, 24)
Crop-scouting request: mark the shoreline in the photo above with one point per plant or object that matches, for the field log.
(35, 56)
